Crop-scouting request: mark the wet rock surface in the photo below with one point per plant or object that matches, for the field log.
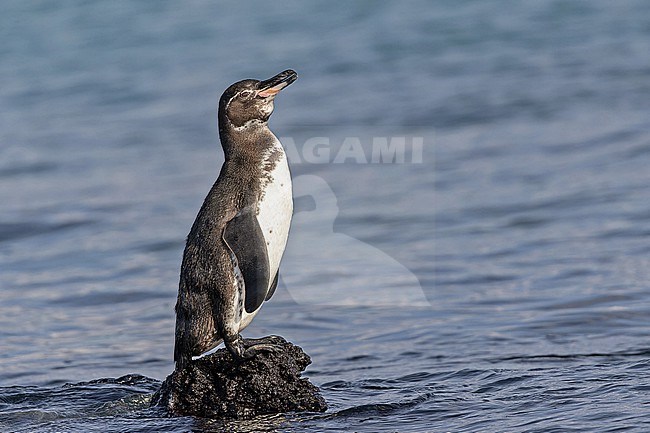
(217, 386)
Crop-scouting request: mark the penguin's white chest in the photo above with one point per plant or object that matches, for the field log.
(275, 207)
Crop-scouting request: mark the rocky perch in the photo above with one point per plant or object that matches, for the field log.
(217, 386)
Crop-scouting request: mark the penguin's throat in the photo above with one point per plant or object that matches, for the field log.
(252, 145)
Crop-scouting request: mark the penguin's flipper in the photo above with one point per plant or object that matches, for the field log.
(274, 285)
(244, 236)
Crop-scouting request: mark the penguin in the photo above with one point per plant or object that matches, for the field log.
(234, 248)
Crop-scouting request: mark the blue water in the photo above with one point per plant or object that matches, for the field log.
(495, 280)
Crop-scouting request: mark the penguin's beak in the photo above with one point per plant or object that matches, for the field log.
(273, 85)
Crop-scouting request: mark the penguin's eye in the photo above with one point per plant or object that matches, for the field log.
(246, 94)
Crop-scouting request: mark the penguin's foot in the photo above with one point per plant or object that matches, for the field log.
(242, 349)
(272, 340)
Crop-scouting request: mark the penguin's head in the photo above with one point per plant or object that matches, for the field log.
(251, 101)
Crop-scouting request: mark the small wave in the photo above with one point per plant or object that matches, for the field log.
(38, 167)
(19, 230)
(576, 356)
(20, 405)
(102, 298)
(383, 408)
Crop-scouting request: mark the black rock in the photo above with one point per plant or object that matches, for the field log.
(217, 386)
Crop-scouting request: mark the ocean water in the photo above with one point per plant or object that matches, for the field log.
(471, 244)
